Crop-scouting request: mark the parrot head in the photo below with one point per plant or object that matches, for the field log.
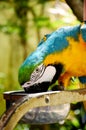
(42, 77)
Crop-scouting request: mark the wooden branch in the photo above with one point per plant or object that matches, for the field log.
(77, 8)
(11, 117)
(84, 11)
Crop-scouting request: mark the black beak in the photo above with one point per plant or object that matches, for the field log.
(36, 88)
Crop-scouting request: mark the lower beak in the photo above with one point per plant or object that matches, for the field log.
(36, 88)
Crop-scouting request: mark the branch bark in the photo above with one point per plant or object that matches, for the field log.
(77, 8)
(20, 108)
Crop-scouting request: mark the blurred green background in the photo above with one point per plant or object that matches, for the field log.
(22, 25)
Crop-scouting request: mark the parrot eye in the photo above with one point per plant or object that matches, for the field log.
(37, 73)
(37, 70)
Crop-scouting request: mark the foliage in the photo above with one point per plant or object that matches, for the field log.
(22, 127)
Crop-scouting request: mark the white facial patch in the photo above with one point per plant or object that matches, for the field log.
(37, 73)
(41, 74)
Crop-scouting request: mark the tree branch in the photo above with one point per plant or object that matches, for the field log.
(26, 103)
(77, 8)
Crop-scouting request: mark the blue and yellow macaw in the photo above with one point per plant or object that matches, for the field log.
(59, 56)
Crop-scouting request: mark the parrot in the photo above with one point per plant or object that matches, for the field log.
(59, 56)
